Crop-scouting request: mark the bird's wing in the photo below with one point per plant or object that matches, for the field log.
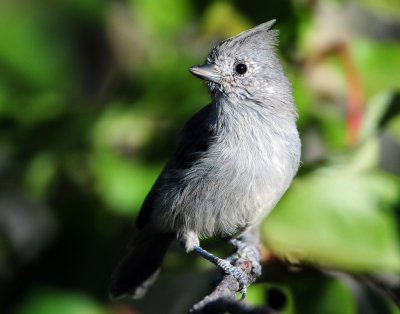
(195, 139)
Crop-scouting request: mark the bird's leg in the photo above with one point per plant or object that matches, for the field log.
(190, 242)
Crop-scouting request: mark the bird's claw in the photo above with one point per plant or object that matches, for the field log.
(250, 253)
(242, 279)
(227, 268)
(239, 275)
(243, 291)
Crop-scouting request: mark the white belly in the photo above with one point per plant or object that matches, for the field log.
(234, 186)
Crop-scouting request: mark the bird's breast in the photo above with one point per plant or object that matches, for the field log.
(247, 166)
(240, 178)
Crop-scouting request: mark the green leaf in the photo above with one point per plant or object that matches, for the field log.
(378, 63)
(375, 111)
(338, 218)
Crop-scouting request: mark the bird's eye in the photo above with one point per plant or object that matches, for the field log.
(241, 68)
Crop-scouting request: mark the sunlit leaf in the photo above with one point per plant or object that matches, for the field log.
(338, 218)
(375, 110)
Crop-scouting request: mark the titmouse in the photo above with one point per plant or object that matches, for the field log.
(235, 159)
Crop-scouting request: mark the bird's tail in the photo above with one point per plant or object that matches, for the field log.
(139, 268)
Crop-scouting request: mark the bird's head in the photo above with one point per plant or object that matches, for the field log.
(245, 67)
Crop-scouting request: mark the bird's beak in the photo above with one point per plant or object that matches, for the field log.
(206, 72)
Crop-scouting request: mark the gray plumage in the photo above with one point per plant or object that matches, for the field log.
(236, 157)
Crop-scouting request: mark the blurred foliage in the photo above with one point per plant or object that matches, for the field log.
(92, 97)
(50, 302)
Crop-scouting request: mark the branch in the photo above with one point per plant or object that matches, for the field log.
(386, 285)
(247, 258)
(232, 306)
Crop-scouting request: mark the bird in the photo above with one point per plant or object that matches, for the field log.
(235, 159)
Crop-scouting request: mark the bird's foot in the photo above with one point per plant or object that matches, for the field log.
(237, 244)
(227, 267)
(250, 252)
(236, 272)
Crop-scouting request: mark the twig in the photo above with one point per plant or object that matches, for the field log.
(355, 97)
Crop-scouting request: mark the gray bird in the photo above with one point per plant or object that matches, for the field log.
(236, 158)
